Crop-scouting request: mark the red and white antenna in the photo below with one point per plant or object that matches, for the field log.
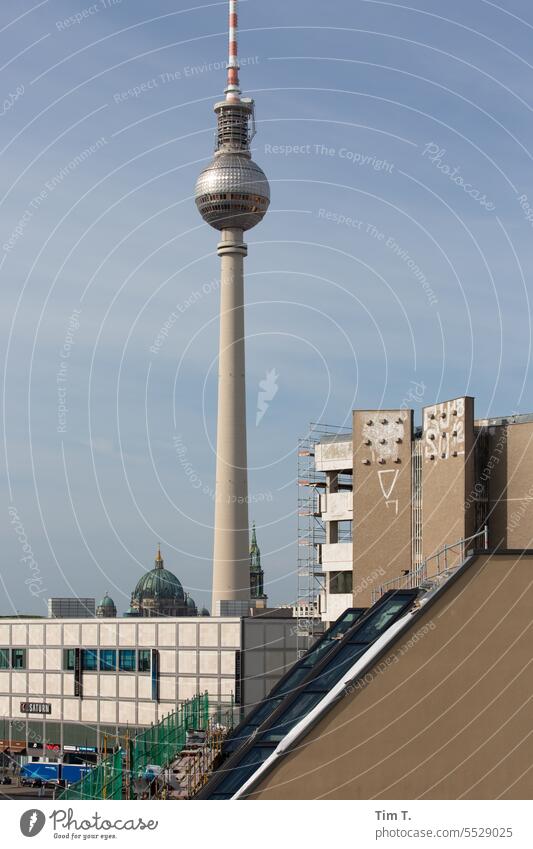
(233, 91)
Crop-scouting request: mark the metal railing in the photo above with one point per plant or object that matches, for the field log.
(442, 557)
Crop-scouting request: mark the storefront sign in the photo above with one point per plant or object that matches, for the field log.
(35, 707)
(6, 744)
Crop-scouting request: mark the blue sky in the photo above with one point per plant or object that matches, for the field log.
(397, 251)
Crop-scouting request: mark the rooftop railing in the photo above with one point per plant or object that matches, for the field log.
(441, 558)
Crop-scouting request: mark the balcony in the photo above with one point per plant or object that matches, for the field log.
(336, 506)
(335, 455)
(336, 557)
(335, 605)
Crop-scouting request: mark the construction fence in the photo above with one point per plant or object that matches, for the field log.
(159, 745)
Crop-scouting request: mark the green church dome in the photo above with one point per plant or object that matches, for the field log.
(106, 602)
(158, 583)
(106, 608)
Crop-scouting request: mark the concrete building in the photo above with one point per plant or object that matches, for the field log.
(395, 500)
(426, 697)
(69, 682)
(71, 608)
(232, 195)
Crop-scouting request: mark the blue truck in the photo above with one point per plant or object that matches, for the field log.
(41, 772)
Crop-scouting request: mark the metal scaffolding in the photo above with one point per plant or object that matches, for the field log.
(311, 535)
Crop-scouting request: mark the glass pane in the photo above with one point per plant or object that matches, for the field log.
(379, 622)
(108, 660)
(346, 622)
(126, 660)
(293, 680)
(294, 713)
(144, 660)
(318, 653)
(68, 659)
(4, 658)
(248, 765)
(254, 722)
(89, 660)
(337, 667)
(340, 582)
(18, 658)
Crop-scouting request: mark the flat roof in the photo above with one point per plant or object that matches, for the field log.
(518, 418)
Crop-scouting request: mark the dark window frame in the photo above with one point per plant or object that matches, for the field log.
(14, 659)
(85, 655)
(105, 665)
(122, 667)
(143, 660)
(69, 660)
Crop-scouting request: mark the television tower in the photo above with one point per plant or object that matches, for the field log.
(232, 195)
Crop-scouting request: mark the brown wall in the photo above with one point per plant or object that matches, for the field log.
(450, 714)
(447, 474)
(382, 498)
(509, 466)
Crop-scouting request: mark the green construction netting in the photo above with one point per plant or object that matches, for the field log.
(158, 745)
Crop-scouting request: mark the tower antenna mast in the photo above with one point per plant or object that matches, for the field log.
(233, 91)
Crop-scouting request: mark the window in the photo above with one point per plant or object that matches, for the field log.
(68, 659)
(340, 582)
(379, 622)
(126, 660)
(89, 660)
(144, 660)
(4, 658)
(18, 658)
(295, 711)
(337, 667)
(251, 761)
(108, 660)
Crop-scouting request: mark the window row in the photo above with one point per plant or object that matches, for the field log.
(12, 658)
(105, 660)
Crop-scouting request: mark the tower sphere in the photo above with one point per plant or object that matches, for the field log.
(232, 192)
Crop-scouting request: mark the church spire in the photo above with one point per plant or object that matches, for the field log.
(254, 548)
(256, 573)
(158, 560)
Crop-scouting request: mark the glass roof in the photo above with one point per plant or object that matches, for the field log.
(296, 674)
(301, 689)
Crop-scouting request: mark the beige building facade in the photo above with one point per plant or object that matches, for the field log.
(410, 494)
(66, 682)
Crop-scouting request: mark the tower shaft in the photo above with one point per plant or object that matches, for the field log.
(231, 578)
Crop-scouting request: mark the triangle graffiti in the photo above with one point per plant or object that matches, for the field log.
(387, 484)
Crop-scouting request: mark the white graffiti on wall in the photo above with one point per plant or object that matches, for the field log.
(444, 430)
(387, 481)
(383, 436)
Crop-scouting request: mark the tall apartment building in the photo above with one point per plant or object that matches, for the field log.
(396, 499)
